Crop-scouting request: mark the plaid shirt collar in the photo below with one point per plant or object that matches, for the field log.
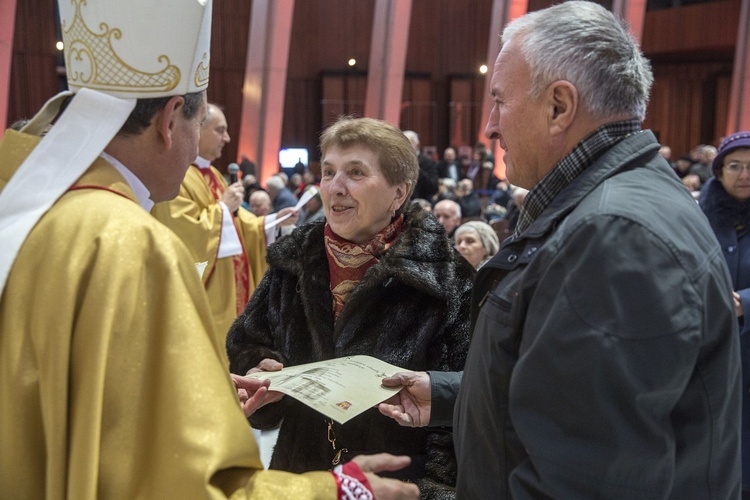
(570, 167)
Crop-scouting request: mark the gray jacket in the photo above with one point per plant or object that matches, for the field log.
(604, 361)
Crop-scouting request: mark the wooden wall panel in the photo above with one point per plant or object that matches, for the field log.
(320, 84)
(687, 102)
(692, 60)
(687, 30)
(33, 76)
(448, 37)
(303, 114)
(229, 36)
(418, 110)
(721, 104)
(342, 94)
(461, 116)
(327, 33)
(454, 35)
(333, 101)
(465, 105)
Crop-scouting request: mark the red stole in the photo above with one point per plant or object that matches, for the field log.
(241, 266)
(348, 262)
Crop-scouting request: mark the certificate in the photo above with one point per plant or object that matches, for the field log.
(340, 388)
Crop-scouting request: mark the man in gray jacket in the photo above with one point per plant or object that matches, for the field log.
(604, 361)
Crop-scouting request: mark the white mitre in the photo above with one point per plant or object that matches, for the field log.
(137, 48)
(115, 52)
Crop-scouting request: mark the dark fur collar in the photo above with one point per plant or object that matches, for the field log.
(422, 256)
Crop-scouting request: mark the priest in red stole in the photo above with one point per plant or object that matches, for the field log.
(228, 239)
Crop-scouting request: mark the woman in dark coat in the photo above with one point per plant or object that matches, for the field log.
(725, 200)
(374, 279)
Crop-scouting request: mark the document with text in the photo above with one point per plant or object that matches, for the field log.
(340, 388)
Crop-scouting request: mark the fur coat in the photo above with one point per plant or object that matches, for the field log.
(411, 309)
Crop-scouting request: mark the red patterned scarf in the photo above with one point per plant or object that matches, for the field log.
(241, 265)
(348, 262)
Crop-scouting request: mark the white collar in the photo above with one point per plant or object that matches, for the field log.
(202, 163)
(141, 191)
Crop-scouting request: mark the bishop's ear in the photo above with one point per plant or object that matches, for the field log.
(165, 119)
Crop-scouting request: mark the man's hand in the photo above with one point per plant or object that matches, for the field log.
(233, 196)
(293, 218)
(410, 407)
(384, 488)
(252, 393)
(737, 304)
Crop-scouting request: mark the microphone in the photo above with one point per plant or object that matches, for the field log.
(234, 175)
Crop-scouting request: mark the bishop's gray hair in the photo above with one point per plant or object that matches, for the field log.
(584, 44)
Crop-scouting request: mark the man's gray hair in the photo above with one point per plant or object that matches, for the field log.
(413, 137)
(487, 235)
(584, 44)
(275, 182)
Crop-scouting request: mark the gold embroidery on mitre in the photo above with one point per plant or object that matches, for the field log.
(201, 74)
(92, 62)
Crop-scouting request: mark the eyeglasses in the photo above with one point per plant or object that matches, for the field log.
(735, 167)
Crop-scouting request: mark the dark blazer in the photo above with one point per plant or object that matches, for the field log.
(427, 182)
(284, 199)
(444, 169)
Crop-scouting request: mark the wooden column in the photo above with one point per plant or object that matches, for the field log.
(738, 117)
(634, 12)
(385, 73)
(503, 11)
(264, 87)
(7, 23)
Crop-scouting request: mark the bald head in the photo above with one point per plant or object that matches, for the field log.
(260, 203)
(448, 212)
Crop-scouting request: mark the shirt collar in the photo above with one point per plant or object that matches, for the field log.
(571, 166)
(202, 163)
(139, 189)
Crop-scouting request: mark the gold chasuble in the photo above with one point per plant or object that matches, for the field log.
(196, 216)
(113, 383)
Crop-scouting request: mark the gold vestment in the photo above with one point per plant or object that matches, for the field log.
(196, 217)
(112, 382)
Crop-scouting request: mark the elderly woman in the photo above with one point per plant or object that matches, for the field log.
(373, 278)
(725, 199)
(477, 241)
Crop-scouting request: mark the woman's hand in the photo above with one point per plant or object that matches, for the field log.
(251, 391)
(267, 365)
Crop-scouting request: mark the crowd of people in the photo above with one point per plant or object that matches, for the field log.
(557, 340)
(494, 200)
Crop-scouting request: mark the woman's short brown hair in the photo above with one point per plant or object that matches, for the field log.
(398, 161)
